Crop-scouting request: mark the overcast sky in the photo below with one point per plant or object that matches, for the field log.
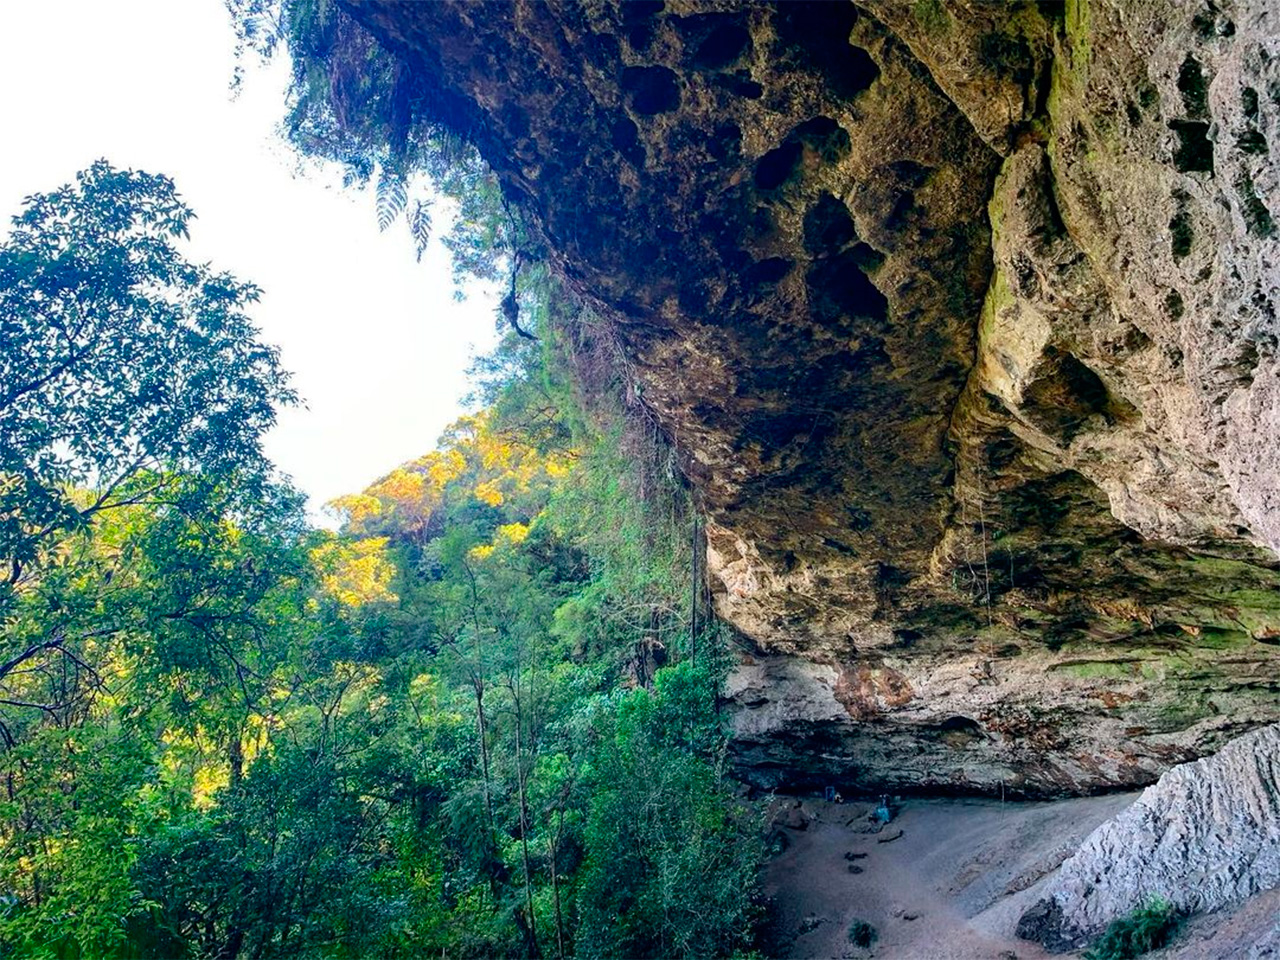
(376, 342)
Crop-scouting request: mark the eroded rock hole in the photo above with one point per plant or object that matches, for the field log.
(1066, 396)
(839, 290)
(1244, 363)
(1252, 142)
(1249, 103)
(817, 35)
(776, 167)
(651, 90)
(601, 49)
(1002, 451)
(904, 638)
(1024, 274)
(740, 84)
(1257, 218)
(910, 174)
(1054, 224)
(959, 724)
(722, 47)
(1133, 341)
(889, 577)
(626, 140)
(1193, 87)
(1207, 24)
(769, 271)
(1180, 227)
(1194, 152)
(826, 138)
(828, 226)
(638, 19)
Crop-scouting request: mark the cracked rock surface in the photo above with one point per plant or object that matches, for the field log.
(962, 319)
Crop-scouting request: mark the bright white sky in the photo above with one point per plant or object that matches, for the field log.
(376, 342)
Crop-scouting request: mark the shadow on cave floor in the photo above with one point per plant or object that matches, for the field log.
(943, 880)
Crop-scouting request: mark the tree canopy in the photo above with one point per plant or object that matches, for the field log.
(478, 721)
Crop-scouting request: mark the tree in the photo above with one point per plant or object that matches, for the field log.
(142, 540)
(356, 103)
(121, 359)
(123, 367)
(670, 858)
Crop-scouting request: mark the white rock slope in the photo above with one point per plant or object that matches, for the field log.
(1206, 835)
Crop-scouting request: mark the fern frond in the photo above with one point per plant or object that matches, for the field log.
(391, 196)
(420, 226)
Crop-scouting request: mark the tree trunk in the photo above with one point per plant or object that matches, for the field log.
(521, 786)
(552, 844)
(235, 758)
(482, 728)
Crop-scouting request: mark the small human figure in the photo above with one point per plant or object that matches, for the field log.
(882, 813)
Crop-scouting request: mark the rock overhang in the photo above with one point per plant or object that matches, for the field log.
(967, 355)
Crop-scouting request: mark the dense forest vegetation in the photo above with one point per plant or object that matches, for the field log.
(480, 720)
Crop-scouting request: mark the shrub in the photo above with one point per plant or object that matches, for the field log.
(1147, 928)
(861, 933)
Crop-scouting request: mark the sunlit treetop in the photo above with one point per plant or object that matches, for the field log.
(474, 461)
(355, 572)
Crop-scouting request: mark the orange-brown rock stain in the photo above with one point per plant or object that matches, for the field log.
(867, 689)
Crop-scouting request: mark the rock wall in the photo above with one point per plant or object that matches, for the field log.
(962, 318)
(1207, 835)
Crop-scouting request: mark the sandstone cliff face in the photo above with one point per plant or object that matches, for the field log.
(962, 317)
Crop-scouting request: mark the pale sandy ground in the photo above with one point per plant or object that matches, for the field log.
(950, 888)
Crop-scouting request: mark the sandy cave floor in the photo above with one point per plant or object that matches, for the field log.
(945, 880)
